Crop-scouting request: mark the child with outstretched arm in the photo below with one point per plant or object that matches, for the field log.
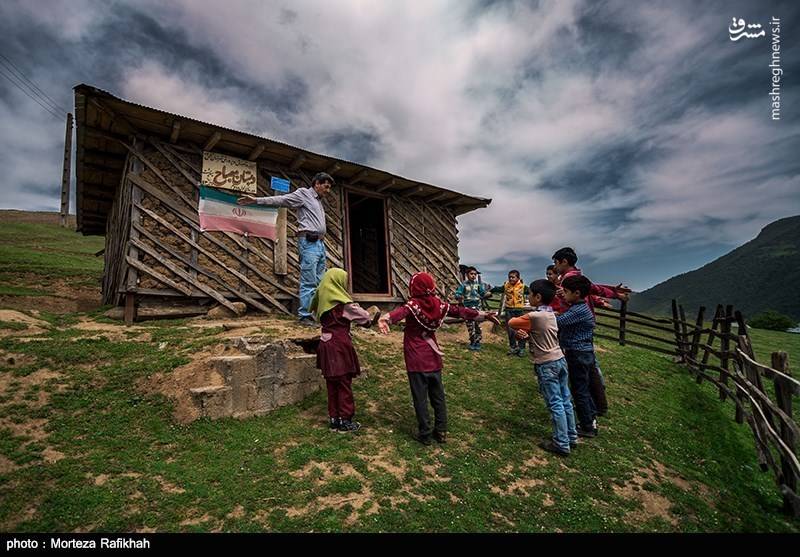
(470, 293)
(541, 328)
(576, 336)
(513, 306)
(336, 356)
(424, 313)
(564, 261)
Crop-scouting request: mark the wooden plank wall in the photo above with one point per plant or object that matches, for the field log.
(173, 257)
(422, 237)
(156, 247)
(117, 232)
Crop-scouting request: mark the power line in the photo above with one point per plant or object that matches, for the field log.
(35, 99)
(33, 84)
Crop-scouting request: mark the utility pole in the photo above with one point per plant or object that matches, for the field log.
(65, 174)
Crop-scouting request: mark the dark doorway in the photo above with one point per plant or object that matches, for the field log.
(368, 254)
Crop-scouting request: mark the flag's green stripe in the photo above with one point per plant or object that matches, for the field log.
(216, 195)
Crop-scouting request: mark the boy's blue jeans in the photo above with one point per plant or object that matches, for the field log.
(554, 386)
(312, 267)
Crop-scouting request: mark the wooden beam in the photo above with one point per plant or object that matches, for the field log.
(386, 185)
(177, 270)
(358, 177)
(256, 152)
(213, 140)
(105, 155)
(333, 169)
(280, 266)
(410, 192)
(193, 264)
(121, 121)
(176, 131)
(298, 162)
(438, 196)
(158, 276)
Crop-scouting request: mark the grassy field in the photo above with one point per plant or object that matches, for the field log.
(83, 447)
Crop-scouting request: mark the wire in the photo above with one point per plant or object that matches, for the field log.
(33, 85)
(49, 110)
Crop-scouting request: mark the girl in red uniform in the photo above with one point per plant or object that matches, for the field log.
(424, 312)
(336, 357)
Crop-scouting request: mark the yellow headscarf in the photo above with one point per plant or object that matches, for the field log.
(332, 290)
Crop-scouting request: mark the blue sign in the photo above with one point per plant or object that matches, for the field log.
(279, 184)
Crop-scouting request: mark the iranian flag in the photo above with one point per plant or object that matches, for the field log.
(219, 211)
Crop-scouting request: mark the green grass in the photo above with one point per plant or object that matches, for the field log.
(88, 449)
(39, 254)
(128, 466)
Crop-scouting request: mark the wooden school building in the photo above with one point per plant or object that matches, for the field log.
(138, 179)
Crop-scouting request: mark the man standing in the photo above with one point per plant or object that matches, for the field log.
(310, 234)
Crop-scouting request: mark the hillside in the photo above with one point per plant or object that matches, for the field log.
(760, 275)
(87, 445)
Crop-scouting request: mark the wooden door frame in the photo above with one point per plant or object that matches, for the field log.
(347, 248)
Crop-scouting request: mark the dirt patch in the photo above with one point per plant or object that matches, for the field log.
(16, 360)
(327, 472)
(522, 485)
(197, 520)
(33, 326)
(653, 503)
(31, 428)
(25, 383)
(51, 455)
(6, 465)
(501, 519)
(534, 462)
(176, 383)
(432, 473)
(167, 486)
(386, 461)
(237, 512)
(356, 500)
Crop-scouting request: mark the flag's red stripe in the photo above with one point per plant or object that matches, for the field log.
(240, 226)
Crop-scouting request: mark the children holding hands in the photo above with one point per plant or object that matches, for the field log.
(424, 313)
(336, 357)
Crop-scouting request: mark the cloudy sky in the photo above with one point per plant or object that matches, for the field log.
(636, 132)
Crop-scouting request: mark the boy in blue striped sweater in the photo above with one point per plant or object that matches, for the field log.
(576, 336)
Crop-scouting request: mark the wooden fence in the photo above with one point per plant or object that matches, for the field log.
(762, 394)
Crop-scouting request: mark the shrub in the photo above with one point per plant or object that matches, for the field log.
(772, 320)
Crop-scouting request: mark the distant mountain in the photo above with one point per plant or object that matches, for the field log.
(762, 274)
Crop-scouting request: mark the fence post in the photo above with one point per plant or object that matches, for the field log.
(748, 372)
(623, 310)
(711, 336)
(695, 350)
(677, 328)
(783, 394)
(687, 356)
(725, 349)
